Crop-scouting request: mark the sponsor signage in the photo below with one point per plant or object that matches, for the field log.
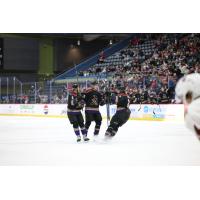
(143, 112)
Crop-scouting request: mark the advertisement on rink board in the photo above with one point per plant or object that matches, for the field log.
(172, 112)
(26, 108)
(153, 112)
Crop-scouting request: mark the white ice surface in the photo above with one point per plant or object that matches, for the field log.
(51, 141)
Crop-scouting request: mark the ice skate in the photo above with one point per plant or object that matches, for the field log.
(78, 139)
(85, 138)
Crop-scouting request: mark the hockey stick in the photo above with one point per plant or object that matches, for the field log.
(155, 108)
(140, 107)
(107, 99)
(154, 112)
(76, 73)
(108, 113)
(77, 79)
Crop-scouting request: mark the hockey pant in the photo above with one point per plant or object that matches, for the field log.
(76, 119)
(120, 118)
(93, 116)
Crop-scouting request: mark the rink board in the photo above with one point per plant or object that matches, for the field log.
(164, 112)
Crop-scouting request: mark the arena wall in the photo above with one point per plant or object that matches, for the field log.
(166, 112)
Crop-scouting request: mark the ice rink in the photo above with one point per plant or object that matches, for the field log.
(51, 141)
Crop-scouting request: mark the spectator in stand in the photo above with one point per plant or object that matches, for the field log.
(135, 41)
(101, 57)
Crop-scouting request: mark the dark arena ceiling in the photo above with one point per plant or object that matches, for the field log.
(82, 36)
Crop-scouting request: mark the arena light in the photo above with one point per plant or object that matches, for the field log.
(110, 42)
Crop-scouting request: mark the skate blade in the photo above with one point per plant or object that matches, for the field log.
(86, 141)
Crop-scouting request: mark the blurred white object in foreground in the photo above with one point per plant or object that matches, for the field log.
(188, 92)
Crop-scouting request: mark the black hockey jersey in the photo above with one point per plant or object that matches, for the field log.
(74, 102)
(93, 99)
(122, 101)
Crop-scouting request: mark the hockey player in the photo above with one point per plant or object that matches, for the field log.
(93, 99)
(188, 92)
(75, 104)
(122, 114)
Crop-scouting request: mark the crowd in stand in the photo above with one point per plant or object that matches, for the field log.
(148, 78)
(153, 79)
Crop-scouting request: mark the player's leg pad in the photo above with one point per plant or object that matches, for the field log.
(87, 125)
(76, 129)
(123, 116)
(98, 120)
(80, 120)
(97, 127)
